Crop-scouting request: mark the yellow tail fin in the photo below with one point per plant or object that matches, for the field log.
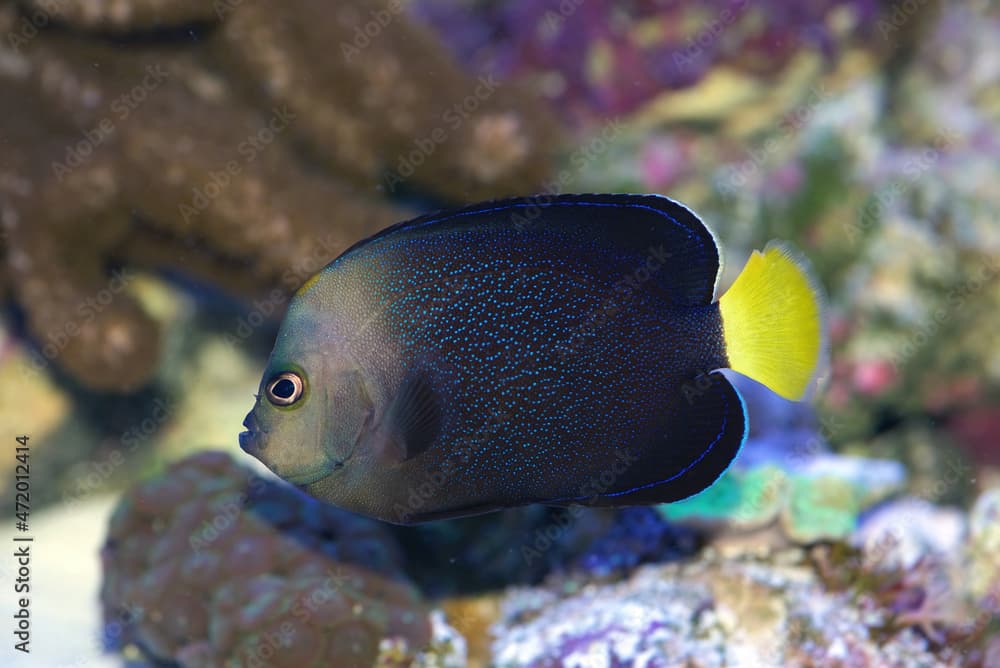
(771, 322)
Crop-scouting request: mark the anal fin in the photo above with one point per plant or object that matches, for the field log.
(698, 444)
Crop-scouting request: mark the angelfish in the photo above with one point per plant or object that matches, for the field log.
(556, 350)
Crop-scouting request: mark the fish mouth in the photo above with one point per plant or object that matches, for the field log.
(249, 442)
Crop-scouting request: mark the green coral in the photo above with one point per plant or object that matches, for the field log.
(809, 505)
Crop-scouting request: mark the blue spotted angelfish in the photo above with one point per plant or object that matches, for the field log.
(561, 351)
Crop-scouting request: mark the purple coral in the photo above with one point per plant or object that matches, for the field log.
(610, 57)
(636, 536)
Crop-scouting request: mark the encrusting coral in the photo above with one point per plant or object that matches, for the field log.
(210, 565)
(239, 162)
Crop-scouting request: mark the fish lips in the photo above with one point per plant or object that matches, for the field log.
(250, 443)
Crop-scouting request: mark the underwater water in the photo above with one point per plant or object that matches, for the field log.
(173, 174)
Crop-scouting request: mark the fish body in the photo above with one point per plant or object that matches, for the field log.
(552, 351)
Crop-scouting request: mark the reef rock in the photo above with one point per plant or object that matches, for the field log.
(713, 612)
(209, 565)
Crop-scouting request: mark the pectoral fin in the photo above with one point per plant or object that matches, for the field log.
(412, 422)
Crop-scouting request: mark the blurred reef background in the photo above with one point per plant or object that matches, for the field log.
(171, 171)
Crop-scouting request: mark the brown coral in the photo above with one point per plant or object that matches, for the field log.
(209, 565)
(168, 172)
(376, 92)
(242, 159)
(122, 14)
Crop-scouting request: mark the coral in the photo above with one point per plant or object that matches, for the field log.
(635, 536)
(984, 546)
(894, 210)
(209, 565)
(610, 58)
(785, 476)
(121, 15)
(901, 533)
(374, 114)
(710, 612)
(188, 156)
(822, 502)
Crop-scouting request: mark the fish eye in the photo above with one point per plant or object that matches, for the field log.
(285, 389)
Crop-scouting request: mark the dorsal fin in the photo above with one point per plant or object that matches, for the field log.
(640, 228)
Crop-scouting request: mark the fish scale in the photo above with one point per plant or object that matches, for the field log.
(509, 300)
(553, 351)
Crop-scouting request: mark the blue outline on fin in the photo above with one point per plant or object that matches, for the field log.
(743, 440)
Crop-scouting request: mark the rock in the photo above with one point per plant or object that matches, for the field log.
(711, 612)
(984, 545)
(901, 533)
(209, 565)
